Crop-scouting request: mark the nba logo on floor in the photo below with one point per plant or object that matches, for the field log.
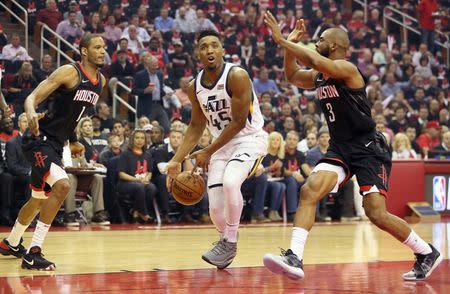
(439, 190)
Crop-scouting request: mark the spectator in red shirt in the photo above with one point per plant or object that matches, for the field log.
(50, 15)
(430, 139)
(7, 129)
(123, 45)
(426, 21)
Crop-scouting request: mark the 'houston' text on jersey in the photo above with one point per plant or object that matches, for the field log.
(346, 110)
(67, 106)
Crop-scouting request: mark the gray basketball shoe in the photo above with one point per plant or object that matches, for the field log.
(222, 254)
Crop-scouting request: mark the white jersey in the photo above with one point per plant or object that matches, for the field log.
(215, 102)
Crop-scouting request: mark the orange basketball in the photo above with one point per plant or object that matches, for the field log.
(188, 188)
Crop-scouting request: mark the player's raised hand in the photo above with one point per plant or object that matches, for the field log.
(33, 121)
(271, 22)
(76, 149)
(299, 31)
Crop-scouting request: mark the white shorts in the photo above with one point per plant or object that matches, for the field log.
(339, 170)
(55, 174)
(242, 149)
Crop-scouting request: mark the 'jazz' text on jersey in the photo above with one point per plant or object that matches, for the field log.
(213, 105)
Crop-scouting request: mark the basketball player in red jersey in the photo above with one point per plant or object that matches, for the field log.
(71, 91)
(355, 148)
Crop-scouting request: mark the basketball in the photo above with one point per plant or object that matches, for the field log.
(188, 188)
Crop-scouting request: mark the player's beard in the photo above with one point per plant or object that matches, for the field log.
(325, 52)
(100, 65)
(96, 63)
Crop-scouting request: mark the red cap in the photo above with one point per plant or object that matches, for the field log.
(433, 124)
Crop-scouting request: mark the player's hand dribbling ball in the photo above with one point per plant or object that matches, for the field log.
(188, 188)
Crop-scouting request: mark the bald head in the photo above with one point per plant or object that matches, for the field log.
(338, 36)
(333, 43)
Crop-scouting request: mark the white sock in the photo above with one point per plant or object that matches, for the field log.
(299, 236)
(231, 233)
(39, 235)
(417, 244)
(16, 233)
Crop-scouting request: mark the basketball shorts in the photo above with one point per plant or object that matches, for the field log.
(369, 158)
(46, 166)
(249, 148)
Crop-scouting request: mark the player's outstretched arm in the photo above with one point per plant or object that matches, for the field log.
(66, 76)
(337, 69)
(195, 128)
(241, 88)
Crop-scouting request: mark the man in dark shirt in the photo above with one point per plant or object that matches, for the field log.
(121, 70)
(103, 111)
(163, 154)
(295, 170)
(400, 122)
(180, 62)
(18, 165)
(43, 72)
(6, 190)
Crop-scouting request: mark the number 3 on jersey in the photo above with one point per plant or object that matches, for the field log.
(331, 116)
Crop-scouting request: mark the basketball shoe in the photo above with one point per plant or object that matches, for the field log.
(6, 249)
(286, 264)
(222, 254)
(35, 260)
(424, 265)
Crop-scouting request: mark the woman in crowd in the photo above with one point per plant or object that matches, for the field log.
(273, 164)
(134, 167)
(402, 148)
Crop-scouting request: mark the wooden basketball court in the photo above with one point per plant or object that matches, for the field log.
(339, 258)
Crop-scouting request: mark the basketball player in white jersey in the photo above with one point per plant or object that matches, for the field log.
(223, 100)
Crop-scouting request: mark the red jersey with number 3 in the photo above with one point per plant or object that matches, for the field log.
(346, 110)
(67, 106)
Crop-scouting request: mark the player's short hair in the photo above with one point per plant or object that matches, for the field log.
(206, 33)
(86, 40)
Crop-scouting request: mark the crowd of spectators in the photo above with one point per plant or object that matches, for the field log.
(151, 49)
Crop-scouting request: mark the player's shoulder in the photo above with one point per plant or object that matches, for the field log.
(237, 77)
(345, 64)
(238, 72)
(66, 69)
(66, 73)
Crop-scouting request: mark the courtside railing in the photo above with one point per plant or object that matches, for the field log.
(23, 22)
